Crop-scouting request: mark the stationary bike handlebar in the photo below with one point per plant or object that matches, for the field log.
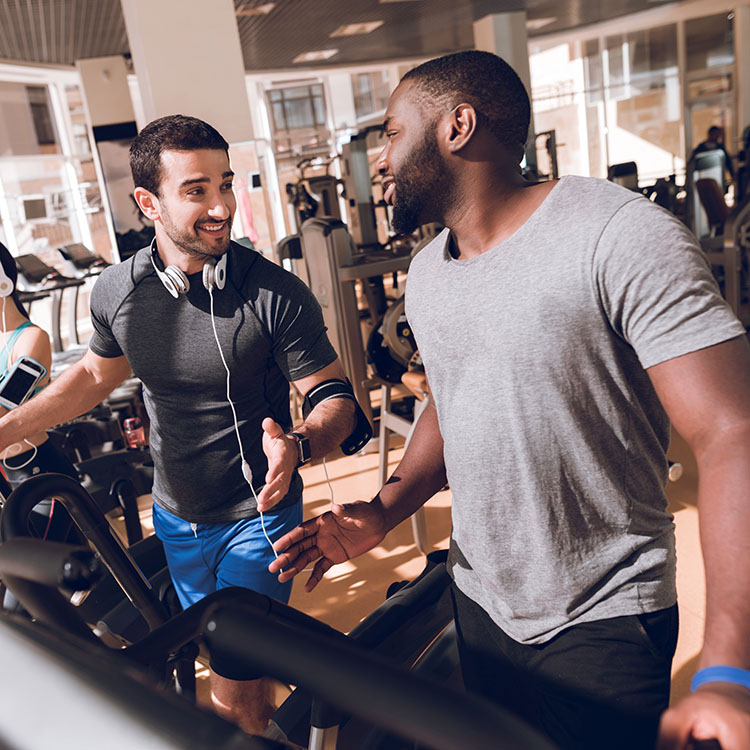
(361, 683)
(266, 635)
(92, 522)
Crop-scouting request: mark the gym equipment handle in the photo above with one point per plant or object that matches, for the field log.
(92, 522)
(360, 683)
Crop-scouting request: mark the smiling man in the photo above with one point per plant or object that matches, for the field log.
(197, 317)
(561, 325)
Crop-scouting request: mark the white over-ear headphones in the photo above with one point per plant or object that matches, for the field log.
(6, 285)
(176, 281)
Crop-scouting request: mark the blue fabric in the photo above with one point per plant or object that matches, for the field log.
(205, 557)
(7, 348)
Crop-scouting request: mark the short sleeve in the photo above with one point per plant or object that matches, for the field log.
(299, 340)
(655, 285)
(103, 342)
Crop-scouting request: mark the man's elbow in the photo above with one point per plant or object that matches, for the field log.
(728, 437)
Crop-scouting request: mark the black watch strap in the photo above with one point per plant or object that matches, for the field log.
(304, 453)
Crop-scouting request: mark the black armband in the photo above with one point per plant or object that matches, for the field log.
(335, 388)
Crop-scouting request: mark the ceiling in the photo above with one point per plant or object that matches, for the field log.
(59, 32)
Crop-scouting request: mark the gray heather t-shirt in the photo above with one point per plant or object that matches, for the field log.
(271, 332)
(554, 437)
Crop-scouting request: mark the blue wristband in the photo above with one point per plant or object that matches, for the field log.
(720, 673)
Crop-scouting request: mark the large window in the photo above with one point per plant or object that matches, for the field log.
(297, 107)
(611, 100)
(642, 101)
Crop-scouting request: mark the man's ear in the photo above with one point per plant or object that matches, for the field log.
(147, 202)
(462, 122)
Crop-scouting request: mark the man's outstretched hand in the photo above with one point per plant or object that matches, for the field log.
(337, 535)
(281, 452)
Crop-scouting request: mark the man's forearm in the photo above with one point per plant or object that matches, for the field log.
(328, 425)
(72, 394)
(724, 505)
(420, 473)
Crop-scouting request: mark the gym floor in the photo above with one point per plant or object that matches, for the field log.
(352, 590)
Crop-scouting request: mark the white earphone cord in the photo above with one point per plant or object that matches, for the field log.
(246, 472)
(14, 445)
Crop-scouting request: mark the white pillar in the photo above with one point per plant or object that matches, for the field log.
(188, 60)
(505, 35)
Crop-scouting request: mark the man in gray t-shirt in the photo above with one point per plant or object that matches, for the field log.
(216, 333)
(562, 326)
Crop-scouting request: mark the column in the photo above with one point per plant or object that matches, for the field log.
(505, 35)
(188, 60)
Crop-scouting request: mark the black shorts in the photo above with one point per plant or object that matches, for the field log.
(601, 684)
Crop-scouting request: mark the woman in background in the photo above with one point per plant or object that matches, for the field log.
(35, 455)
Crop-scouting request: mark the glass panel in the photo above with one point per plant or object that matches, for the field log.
(645, 128)
(615, 105)
(299, 113)
(706, 115)
(79, 135)
(26, 121)
(371, 92)
(40, 204)
(297, 107)
(592, 71)
(709, 41)
(557, 86)
(279, 118)
(636, 58)
(319, 110)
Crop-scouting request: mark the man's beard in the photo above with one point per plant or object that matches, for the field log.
(190, 243)
(422, 181)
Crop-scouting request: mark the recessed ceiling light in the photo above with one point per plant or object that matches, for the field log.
(352, 29)
(534, 24)
(258, 10)
(316, 55)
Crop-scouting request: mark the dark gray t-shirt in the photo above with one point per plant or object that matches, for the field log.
(554, 436)
(271, 332)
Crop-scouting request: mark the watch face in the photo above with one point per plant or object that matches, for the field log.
(303, 448)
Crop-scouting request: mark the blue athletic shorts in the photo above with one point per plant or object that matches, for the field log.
(205, 557)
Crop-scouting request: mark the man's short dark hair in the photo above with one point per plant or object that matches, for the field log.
(486, 82)
(171, 133)
(714, 130)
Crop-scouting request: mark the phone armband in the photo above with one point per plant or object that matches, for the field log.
(336, 388)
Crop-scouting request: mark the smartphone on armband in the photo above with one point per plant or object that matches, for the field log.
(19, 384)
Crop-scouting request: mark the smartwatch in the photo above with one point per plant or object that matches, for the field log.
(304, 453)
